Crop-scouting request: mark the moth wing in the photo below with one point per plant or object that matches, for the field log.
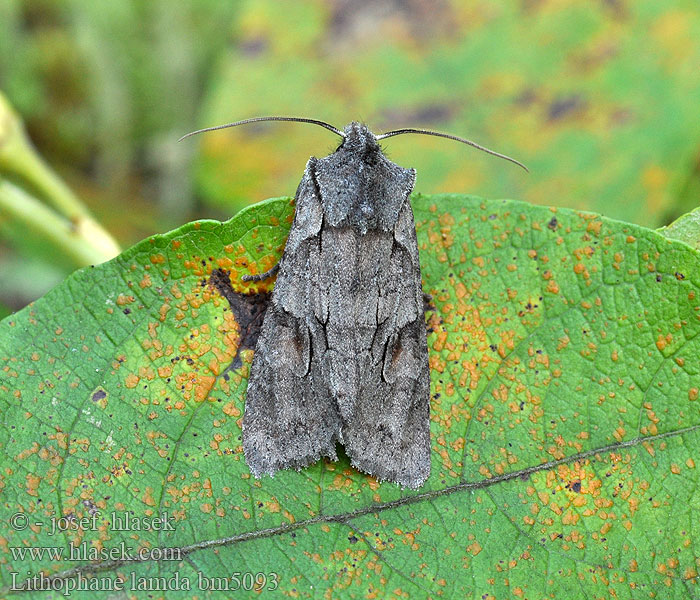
(289, 420)
(388, 434)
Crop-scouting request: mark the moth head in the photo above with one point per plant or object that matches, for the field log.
(357, 138)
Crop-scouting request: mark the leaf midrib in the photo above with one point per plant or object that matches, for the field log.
(345, 518)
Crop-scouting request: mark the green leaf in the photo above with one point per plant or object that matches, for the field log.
(685, 228)
(564, 417)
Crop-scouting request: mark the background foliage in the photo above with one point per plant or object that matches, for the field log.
(598, 98)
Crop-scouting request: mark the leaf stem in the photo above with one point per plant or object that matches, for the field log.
(27, 213)
(20, 162)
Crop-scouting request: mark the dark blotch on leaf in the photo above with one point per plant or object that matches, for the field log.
(253, 47)
(249, 310)
(99, 395)
(432, 112)
(561, 107)
(428, 304)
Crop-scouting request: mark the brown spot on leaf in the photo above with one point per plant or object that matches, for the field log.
(565, 106)
(249, 310)
(254, 46)
(432, 112)
(354, 22)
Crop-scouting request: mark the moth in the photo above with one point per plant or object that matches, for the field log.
(342, 354)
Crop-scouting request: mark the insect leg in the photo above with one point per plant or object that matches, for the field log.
(262, 276)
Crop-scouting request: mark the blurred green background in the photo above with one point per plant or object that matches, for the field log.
(600, 98)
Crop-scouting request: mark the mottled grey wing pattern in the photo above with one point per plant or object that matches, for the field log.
(386, 428)
(342, 355)
(289, 420)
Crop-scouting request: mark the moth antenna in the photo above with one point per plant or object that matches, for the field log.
(257, 119)
(451, 137)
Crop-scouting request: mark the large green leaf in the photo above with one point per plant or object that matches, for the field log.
(564, 414)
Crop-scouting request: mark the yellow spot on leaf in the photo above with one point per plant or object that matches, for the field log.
(662, 341)
(148, 498)
(32, 484)
(131, 381)
(231, 409)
